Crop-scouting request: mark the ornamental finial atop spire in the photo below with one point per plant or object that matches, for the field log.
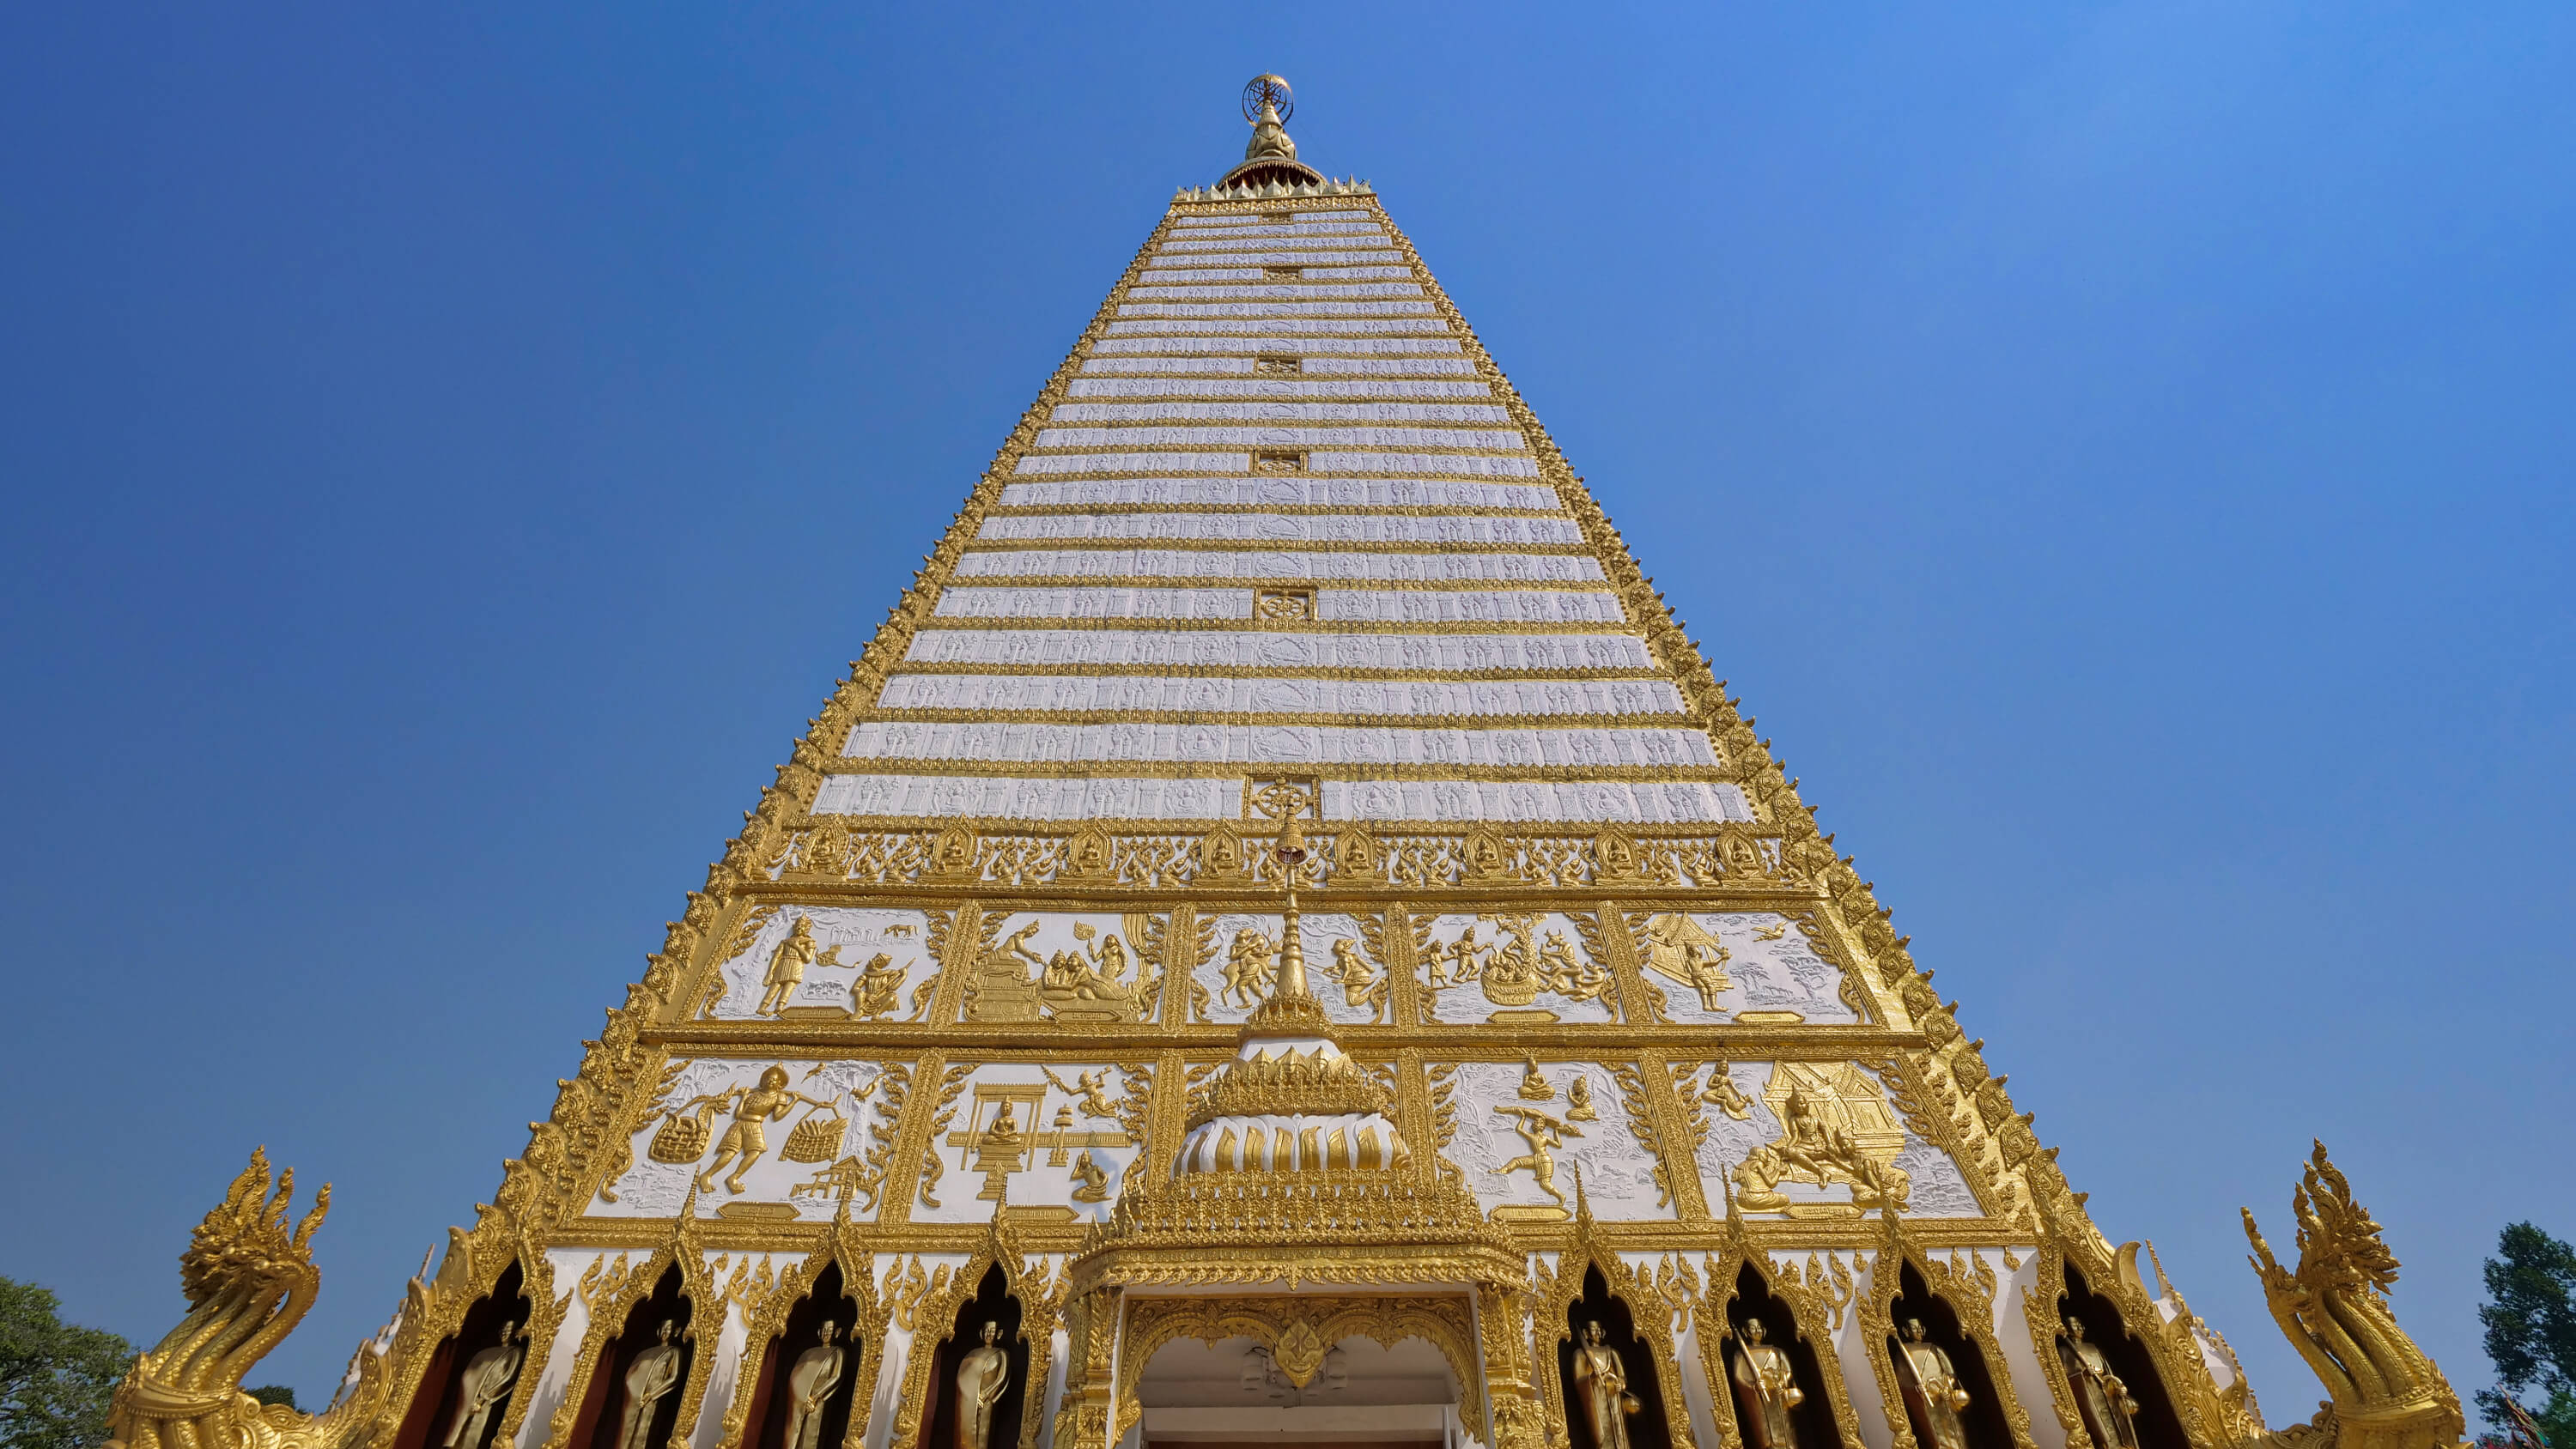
(1270, 155)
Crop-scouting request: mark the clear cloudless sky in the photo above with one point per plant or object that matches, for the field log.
(2120, 451)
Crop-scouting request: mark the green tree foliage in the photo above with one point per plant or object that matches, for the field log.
(273, 1394)
(55, 1377)
(2531, 1330)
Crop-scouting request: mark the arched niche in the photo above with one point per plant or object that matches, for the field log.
(993, 1303)
(1813, 1418)
(433, 1415)
(2156, 1424)
(1983, 1421)
(773, 1412)
(1650, 1427)
(605, 1401)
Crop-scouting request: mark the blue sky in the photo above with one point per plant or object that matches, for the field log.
(2120, 452)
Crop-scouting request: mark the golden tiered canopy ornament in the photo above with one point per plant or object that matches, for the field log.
(993, 1059)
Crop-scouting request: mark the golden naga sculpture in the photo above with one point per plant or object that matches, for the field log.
(249, 1279)
(2386, 1393)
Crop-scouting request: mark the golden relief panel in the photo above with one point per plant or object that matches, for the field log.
(1513, 968)
(1523, 1130)
(755, 1140)
(1818, 1139)
(806, 963)
(1061, 968)
(1345, 967)
(1756, 968)
(1055, 1141)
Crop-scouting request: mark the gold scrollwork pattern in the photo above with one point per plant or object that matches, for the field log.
(1445, 1321)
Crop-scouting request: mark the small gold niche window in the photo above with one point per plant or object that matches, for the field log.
(1274, 364)
(1283, 274)
(1279, 460)
(1278, 604)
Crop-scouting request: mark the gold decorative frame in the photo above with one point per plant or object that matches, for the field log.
(1445, 1321)
(1041, 1294)
(1970, 1294)
(613, 1290)
(1553, 1294)
(765, 1318)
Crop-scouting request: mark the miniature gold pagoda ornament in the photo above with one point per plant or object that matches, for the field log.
(1277, 846)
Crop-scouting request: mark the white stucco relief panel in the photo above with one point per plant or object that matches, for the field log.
(1241, 342)
(1318, 435)
(1416, 389)
(1358, 606)
(1240, 364)
(1036, 799)
(1281, 410)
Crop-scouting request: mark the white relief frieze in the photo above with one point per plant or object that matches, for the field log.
(1282, 308)
(1304, 290)
(827, 963)
(1496, 439)
(1280, 493)
(1286, 528)
(1678, 802)
(1156, 564)
(1034, 799)
(1278, 696)
(1280, 410)
(1714, 966)
(1523, 968)
(1257, 387)
(1423, 653)
(1333, 605)
(1032, 743)
(1315, 327)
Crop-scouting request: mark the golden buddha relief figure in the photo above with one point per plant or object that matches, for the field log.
(483, 1386)
(983, 1376)
(2110, 1414)
(1601, 1394)
(810, 1382)
(650, 1378)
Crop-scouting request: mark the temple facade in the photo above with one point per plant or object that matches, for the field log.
(1281, 938)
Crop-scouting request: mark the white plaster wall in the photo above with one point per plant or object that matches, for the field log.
(1303, 290)
(1421, 653)
(547, 1393)
(1255, 325)
(1241, 362)
(1852, 1349)
(1282, 308)
(1459, 801)
(1315, 436)
(1333, 605)
(860, 935)
(2012, 1334)
(1356, 340)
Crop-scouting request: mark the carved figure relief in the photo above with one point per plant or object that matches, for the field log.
(1754, 967)
(1049, 1144)
(1601, 1390)
(826, 963)
(1514, 968)
(712, 1126)
(651, 1376)
(1766, 1389)
(1845, 1117)
(1342, 973)
(1074, 970)
(1934, 1396)
(1520, 1155)
(810, 1382)
(484, 1386)
(2110, 1414)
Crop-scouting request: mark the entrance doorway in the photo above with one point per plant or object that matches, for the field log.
(1232, 1393)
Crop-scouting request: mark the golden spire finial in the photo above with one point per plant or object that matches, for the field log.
(1267, 104)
